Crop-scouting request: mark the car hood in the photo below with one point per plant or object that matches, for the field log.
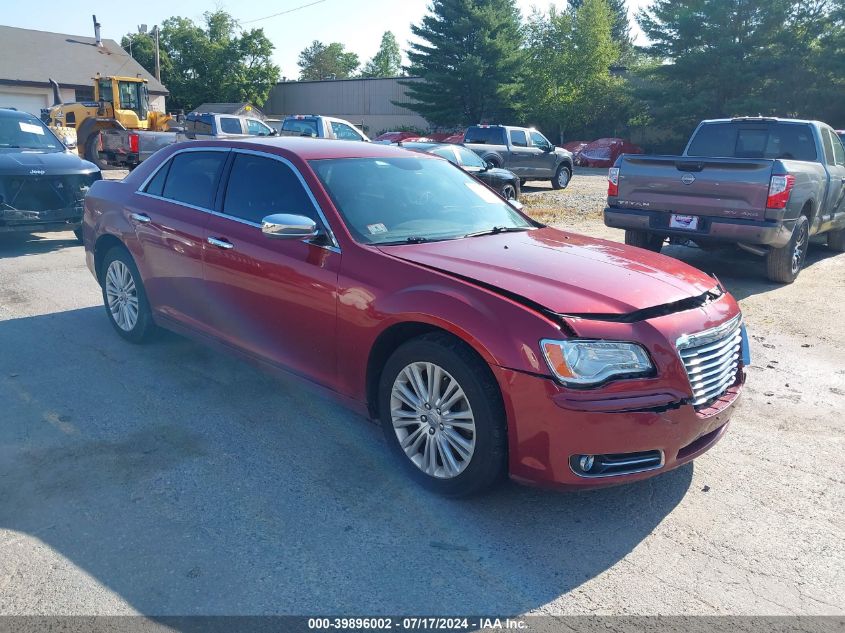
(494, 173)
(563, 272)
(24, 162)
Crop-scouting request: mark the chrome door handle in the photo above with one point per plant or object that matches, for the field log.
(224, 244)
(142, 218)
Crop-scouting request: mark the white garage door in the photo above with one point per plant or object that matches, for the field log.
(28, 103)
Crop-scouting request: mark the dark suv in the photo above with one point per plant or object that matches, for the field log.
(42, 183)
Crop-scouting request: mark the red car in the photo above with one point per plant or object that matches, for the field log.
(605, 151)
(484, 342)
(395, 137)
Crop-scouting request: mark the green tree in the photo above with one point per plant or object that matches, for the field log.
(142, 48)
(571, 90)
(322, 61)
(731, 57)
(621, 25)
(387, 62)
(212, 62)
(469, 58)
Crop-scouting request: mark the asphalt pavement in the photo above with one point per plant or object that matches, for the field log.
(171, 479)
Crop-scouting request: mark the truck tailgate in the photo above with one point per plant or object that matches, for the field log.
(725, 187)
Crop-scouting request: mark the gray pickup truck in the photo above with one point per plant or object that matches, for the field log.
(524, 151)
(765, 184)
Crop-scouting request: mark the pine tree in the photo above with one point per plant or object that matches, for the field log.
(469, 59)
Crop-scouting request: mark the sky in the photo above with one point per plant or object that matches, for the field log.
(358, 24)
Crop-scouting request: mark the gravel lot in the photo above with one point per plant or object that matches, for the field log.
(169, 479)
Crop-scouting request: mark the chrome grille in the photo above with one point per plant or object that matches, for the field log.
(712, 359)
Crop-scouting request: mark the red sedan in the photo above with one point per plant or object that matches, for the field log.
(484, 342)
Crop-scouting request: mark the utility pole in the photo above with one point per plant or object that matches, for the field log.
(158, 60)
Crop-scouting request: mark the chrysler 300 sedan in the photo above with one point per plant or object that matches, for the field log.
(484, 342)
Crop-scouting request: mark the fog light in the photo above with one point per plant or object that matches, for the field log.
(586, 462)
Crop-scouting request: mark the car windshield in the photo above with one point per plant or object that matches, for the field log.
(396, 200)
(27, 133)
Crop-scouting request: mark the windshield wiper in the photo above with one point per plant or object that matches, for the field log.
(499, 229)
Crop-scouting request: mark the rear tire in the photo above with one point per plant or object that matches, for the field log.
(836, 240)
(92, 154)
(562, 177)
(447, 369)
(644, 239)
(784, 264)
(124, 296)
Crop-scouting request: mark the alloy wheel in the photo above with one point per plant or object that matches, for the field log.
(508, 192)
(433, 420)
(563, 178)
(122, 295)
(799, 253)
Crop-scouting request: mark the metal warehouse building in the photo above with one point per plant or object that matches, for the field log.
(360, 101)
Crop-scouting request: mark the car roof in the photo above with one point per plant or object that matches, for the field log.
(311, 148)
(762, 119)
(17, 114)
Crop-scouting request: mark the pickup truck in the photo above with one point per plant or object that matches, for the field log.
(321, 127)
(524, 151)
(129, 148)
(764, 184)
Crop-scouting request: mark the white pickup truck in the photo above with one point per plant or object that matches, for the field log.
(321, 127)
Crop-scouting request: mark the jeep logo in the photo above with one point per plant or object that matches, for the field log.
(37, 172)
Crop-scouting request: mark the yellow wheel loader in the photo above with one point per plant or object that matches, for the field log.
(120, 110)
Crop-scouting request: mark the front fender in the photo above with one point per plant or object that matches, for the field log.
(503, 331)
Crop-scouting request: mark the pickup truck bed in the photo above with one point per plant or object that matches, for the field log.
(784, 183)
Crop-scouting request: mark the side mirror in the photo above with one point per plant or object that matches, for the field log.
(489, 165)
(284, 226)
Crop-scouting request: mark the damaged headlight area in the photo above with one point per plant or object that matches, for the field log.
(588, 363)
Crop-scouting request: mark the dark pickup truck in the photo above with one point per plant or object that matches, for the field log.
(765, 184)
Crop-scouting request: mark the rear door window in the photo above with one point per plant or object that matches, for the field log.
(193, 178)
(230, 125)
(260, 186)
(519, 138)
(156, 185)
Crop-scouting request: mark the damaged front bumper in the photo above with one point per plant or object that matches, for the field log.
(38, 202)
(24, 220)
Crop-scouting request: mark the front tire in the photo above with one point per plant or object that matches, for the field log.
(442, 415)
(124, 297)
(644, 239)
(509, 192)
(562, 177)
(784, 264)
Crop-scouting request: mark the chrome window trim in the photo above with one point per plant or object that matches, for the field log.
(334, 246)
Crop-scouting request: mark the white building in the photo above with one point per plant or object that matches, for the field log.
(29, 58)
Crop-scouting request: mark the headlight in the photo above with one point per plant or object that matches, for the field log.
(588, 363)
